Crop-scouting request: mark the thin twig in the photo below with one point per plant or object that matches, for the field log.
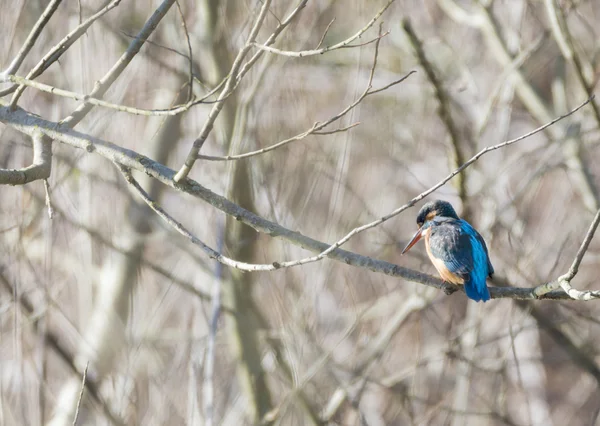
(48, 199)
(341, 44)
(81, 393)
(564, 39)
(305, 53)
(190, 55)
(325, 33)
(341, 129)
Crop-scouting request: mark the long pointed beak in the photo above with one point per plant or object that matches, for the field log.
(414, 240)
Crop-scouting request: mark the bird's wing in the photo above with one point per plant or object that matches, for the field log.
(451, 243)
(487, 255)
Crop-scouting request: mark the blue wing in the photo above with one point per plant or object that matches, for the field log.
(463, 252)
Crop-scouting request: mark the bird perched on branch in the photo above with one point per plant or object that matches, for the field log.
(455, 248)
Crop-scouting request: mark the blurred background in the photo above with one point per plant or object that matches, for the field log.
(107, 288)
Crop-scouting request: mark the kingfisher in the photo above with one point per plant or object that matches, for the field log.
(455, 248)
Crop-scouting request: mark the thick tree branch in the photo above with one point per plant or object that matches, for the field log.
(40, 168)
(30, 124)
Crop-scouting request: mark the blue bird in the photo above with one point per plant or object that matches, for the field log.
(455, 248)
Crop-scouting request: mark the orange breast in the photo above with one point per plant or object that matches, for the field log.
(439, 264)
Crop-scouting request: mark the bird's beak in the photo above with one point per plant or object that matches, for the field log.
(414, 240)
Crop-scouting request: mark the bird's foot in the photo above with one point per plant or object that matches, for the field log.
(449, 288)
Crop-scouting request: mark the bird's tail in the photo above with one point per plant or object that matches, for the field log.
(477, 291)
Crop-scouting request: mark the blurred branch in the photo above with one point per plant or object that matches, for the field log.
(29, 124)
(444, 111)
(61, 47)
(227, 90)
(190, 56)
(311, 371)
(464, 375)
(56, 343)
(372, 353)
(104, 334)
(208, 389)
(41, 164)
(159, 270)
(562, 35)
(32, 38)
(580, 356)
(564, 281)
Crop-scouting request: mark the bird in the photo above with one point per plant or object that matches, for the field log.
(455, 248)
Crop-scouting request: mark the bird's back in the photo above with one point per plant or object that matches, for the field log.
(463, 252)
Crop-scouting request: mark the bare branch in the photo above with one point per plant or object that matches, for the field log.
(40, 168)
(305, 53)
(483, 19)
(227, 90)
(562, 35)
(340, 130)
(213, 254)
(29, 124)
(99, 102)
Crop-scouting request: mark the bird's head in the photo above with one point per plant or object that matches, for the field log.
(437, 208)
